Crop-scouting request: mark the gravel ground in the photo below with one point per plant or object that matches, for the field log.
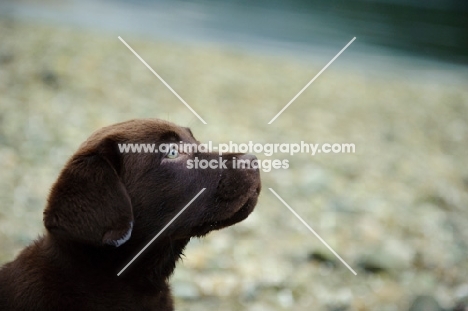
(396, 210)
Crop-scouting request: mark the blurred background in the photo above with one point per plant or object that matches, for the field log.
(396, 210)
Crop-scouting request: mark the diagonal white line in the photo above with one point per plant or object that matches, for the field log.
(162, 80)
(316, 76)
(162, 230)
(312, 230)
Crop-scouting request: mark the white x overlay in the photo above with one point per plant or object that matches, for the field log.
(271, 121)
(162, 80)
(313, 231)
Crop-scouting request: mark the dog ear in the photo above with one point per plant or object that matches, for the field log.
(89, 203)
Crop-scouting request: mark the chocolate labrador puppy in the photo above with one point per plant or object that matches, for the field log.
(107, 205)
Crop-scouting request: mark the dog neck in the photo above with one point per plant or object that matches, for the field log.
(157, 262)
(150, 270)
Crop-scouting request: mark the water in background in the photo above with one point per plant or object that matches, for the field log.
(436, 29)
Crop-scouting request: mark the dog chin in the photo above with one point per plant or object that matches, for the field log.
(241, 213)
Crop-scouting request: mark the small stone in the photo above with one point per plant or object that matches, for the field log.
(425, 303)
(185, 290)
(322, 257)
(49, 78)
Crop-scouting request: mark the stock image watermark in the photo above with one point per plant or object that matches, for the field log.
(173, 150)
(237, 163)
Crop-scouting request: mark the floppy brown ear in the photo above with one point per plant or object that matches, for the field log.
(89, 202)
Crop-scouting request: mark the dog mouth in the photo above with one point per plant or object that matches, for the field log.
(240, 214)
(235, 198)
(245, 208)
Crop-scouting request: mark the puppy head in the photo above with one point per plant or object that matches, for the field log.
(106, 197)
(160, 185)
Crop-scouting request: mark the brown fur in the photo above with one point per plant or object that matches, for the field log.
(99, 194)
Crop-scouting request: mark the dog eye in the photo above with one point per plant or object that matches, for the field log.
(173, 152)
